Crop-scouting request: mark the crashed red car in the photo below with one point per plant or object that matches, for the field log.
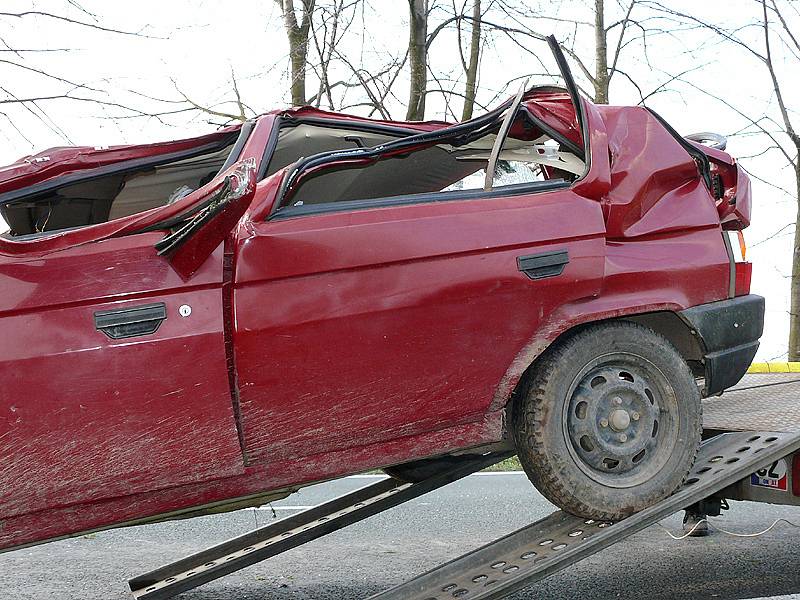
(213, 323)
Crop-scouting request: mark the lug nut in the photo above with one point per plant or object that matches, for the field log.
(635, 416)
(603, 422)
(617, 400)
(623, 438)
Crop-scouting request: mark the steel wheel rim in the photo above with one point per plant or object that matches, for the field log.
(621, 420)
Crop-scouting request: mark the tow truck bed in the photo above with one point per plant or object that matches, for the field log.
(769, 402)
(750, 428)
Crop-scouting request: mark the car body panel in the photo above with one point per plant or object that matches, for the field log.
(666, 196)
(419, 287)
(632, 286)
(85, 417)
(218, 494)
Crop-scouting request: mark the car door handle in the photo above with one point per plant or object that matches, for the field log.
(544, 264)
(130, 322)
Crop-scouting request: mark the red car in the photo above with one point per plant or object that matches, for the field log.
(213, 323)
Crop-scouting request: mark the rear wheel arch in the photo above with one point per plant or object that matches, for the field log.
(638, 435)
(664, 322)
(679, 333)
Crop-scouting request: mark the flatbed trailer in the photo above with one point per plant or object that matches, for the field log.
(751, 451)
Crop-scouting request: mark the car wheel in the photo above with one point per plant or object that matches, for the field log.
(608, 421)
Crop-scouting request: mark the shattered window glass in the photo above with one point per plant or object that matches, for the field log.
(506, 173)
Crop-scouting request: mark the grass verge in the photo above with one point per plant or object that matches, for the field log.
(509, 464)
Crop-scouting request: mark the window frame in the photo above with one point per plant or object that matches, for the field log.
(237, 140)
(122, 167)
(278, 212)
(517, 189)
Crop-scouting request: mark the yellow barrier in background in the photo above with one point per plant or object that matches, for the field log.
(775, 367)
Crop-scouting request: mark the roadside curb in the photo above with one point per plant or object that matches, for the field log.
(775, 367)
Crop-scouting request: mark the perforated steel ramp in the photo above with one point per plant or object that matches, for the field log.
(263, 543)
(497, 569)
(538, 550)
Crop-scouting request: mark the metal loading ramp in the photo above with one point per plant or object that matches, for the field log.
(291, 532)
(495, 570)
(547, 546)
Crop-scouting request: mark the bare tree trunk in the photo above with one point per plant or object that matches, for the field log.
(418, 58)
(794, 307)
(789, 130)
(472, 67)
(297, 33)
(601, 78)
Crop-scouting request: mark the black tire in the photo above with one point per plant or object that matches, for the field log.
(608, 421)
(418, 470)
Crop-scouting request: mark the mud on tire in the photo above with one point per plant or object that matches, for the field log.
(608, 420)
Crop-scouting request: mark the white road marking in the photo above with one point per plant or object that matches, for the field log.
(371, 476)
(482, 473)
(270, 508)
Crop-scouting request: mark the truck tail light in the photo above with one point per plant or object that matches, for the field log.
(796, 474)
(744, 272)
(742, 245)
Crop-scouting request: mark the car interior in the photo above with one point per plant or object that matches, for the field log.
(442, 167)
(528, 155)
(119, 194)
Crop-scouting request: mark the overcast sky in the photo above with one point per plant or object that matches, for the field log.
(192, 47)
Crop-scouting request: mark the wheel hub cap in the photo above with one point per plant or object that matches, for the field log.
(620, 420)
(616, 418)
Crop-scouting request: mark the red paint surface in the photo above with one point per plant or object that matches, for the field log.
(84, 417)
(356, 339)
(744, 273)
(796, 475)
(394, 321)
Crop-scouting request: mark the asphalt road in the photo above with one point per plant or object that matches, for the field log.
(388, 548)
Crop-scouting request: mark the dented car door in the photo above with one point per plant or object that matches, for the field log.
(114, 359)
(361, 319)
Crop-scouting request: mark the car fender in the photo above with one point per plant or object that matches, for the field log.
(566, 318)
